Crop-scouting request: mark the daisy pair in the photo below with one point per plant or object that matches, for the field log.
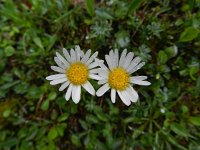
(76, 69)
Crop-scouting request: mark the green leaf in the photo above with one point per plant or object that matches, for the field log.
(9, 51)
(122, 38)
(134, 5)
(90, 7)
(103, 14)
(189, 34)
(193, 70)
(52, 41)
(38, 42)
(63, 117)
(100, 115)
(162, 57)
(171, 51)
(6, 113)
(45, 105)
(52, 133)
(21, 88)
(195, 120)
(179, 130)
(91, 119)
(75, 140)
(184, 109)
(173, 141)
(52, 96)
(197, 87)
(60, 129)
(8, 143)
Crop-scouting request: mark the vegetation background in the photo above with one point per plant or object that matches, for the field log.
(165, 33)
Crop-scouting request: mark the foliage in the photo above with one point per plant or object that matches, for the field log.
(34, 115)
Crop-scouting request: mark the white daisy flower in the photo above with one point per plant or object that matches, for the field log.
(75, 69)
(117, 76)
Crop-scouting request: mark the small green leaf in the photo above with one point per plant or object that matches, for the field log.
(52, 133)
(9, 142)
(75, 140)
(60, 129)
(184, 109)
(21, 88)
(52, 41)
(189, 34)
(52, 96)
(134, 5)
(6, 113)
(179, 129)
(92, 119)
(193, 70)
(63, 117)
(103, 14)
(45, 105)
(162, 57)
(122, 38)
(90, 7)
(171, 51)
(195, 120)
(173, 140)
(100, 115)
(38, 42)
(9, 51)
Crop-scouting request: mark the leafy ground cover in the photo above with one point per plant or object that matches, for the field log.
(35, 115)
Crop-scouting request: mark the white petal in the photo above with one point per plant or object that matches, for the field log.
(95, 77)
(78, 52)
(133, 94)
(56, 76)
(58, 69)
(122, 58)
(124, 98)
(66, 54)
(86, 56)
(96, 70)
(109, 62)
(69, 92)
(103, 81)
(92, 58)
(103, 73)
(141, 78)
(101, 64)
(64, 86)
(128, 60)
(89, 88)
(93, 65)
(59, 63)
(116, 58)
(140, 82)
(73, 55)
(129, 96)
(57, 81)
(62, 59)
(137, 67)
(102, 89)
(134, 63)
(113, 95)
(76, 94)
(111, 55)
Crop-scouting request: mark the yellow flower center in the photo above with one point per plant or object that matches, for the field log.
(77, 73)
(118, 79)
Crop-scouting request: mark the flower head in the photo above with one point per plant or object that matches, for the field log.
(75, 69)
(117, 76)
